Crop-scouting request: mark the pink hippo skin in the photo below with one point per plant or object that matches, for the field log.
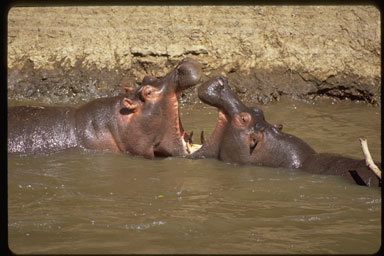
(142, 122)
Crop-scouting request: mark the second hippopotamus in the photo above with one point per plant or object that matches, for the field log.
(242, 135)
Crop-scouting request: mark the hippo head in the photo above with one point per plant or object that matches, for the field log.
(186, 74)
(237, 126)
(154, 110)
(217, 93)
(243, 136)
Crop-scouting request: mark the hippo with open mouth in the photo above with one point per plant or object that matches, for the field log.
(142, 122)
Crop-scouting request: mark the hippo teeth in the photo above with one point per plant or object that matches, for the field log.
(202, 139)
(192, 147)
(188, 138)
(189, 146)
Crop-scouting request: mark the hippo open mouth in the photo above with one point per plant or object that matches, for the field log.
(185, 138)
(190, 147)
(157, 118)
(171, 139)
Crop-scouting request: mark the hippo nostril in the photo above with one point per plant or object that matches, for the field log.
(221, 80)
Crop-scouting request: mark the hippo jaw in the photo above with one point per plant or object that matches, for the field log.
(188, 73)
(223, 145)
(211, 148)
(174, 141)
(217, 93)
(152, 118)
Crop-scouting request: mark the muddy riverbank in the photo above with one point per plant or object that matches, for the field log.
(74, 54)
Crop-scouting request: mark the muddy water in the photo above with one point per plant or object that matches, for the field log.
(102, 202)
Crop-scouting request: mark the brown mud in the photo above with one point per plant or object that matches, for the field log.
(75, 54)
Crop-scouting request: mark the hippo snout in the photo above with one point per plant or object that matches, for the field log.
(189, 72)
(215, 92)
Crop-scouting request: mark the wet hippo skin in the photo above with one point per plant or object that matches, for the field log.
(243, 136)
(143, 121)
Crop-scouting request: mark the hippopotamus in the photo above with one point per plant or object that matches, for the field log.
(143, 121)
(243, 136)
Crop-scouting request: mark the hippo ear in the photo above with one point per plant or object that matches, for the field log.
(278, 126)
(128, 88)
(149, 80)
(242, 119)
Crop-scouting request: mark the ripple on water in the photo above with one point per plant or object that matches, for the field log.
(92, 202)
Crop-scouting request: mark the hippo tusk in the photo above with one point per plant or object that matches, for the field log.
(202, 139)
(189, 148)
(192, 147)
(190, 137)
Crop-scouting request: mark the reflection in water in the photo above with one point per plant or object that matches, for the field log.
(101, 202)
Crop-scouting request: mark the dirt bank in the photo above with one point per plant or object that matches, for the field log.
(73, 54)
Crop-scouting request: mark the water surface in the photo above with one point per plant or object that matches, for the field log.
(103, 202)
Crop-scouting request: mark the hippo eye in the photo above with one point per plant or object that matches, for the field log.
(245, 118)
(242, 120)
(147, 91)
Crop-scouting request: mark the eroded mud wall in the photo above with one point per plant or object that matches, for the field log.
(72, 54)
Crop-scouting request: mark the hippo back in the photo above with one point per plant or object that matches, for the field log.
(35, 129)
